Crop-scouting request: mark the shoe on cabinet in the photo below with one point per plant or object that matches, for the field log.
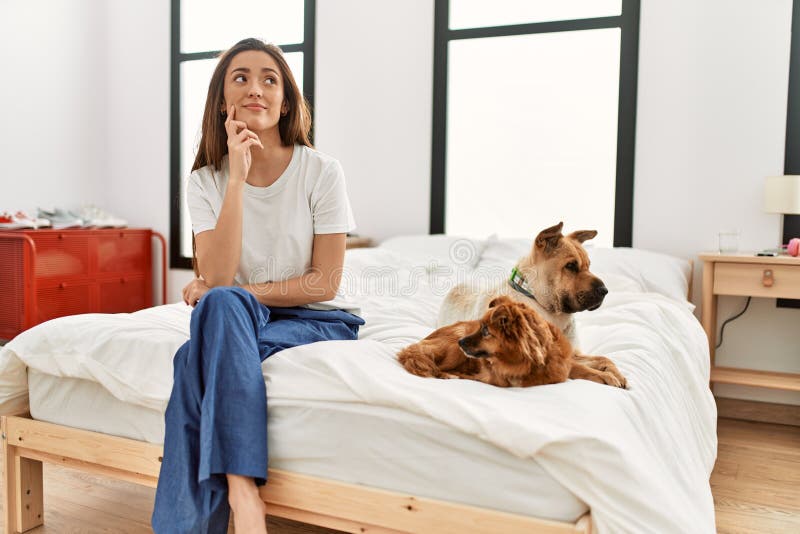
(60, 218)
(20, 220)
(94, 216)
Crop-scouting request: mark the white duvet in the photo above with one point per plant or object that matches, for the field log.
(640, 459)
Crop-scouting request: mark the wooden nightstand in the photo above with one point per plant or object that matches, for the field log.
(750, 276)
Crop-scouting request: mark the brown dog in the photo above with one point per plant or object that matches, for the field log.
(554, 279)
(511, 345)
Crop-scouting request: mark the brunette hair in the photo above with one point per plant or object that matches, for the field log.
(294, 127)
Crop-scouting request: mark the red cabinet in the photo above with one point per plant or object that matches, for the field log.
(51, 273)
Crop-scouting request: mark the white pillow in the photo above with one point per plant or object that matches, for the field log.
(504, 252)
(653, 271)
(438, 249)
(617, 283)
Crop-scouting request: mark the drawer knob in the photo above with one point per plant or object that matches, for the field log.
(767, 279)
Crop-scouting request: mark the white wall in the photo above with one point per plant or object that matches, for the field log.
(53, 129)
(711, 124)
(374, 96)
(711, 121)
(137, 119)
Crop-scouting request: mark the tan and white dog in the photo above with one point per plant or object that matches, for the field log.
(554, 279)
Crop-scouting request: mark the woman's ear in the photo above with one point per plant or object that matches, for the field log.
(284, 108)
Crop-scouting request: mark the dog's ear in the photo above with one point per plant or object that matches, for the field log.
(531, 338)
(503, 318)
(535, 351)
(509, 319)
(582, 235)
(499, 301)
(548, 239)
(527, 336)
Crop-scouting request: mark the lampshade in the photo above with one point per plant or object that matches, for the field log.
(782, 194)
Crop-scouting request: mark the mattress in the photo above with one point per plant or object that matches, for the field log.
(356, 443)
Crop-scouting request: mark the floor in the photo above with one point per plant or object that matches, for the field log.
(756, 480)
(756, 486)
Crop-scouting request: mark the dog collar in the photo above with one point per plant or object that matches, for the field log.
(517, 281)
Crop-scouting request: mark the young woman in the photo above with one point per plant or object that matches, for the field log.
(269, 216)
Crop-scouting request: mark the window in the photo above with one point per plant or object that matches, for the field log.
(199, 33)
(534, 117)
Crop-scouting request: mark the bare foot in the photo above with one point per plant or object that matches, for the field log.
(249, 511)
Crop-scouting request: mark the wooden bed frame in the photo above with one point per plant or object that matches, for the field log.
(318, 501)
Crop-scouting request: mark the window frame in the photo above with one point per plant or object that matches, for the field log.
(307, 47)
(627, 21)
(791, 161)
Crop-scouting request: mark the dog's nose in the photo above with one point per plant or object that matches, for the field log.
(462, 343)
(601, 291)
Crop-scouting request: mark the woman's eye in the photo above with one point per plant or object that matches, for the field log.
(270, 81)
(239, 78)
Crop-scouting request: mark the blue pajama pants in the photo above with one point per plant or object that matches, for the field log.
(216, 419)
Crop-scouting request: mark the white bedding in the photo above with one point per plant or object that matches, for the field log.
(639, 458)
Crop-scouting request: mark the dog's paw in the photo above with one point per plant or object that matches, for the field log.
(621, 381)
(610, 379)
(608, 367)
(448, 375)
(601, 363)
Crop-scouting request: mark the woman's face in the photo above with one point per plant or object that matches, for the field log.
(253, 83)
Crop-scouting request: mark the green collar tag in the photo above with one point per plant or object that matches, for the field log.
(517, 281)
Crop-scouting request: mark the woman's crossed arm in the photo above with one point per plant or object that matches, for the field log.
(319, 283)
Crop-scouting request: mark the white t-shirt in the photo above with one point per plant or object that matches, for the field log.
(279, 221)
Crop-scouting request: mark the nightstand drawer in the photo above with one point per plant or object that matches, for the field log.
(753, 279)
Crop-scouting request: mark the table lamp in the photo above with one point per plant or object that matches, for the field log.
(782, 195)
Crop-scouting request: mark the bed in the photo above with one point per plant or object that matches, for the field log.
(358, 444)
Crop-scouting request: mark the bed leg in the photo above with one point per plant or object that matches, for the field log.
(584, 524)
(23, 505)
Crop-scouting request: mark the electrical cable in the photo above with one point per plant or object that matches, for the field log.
(722, 328)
